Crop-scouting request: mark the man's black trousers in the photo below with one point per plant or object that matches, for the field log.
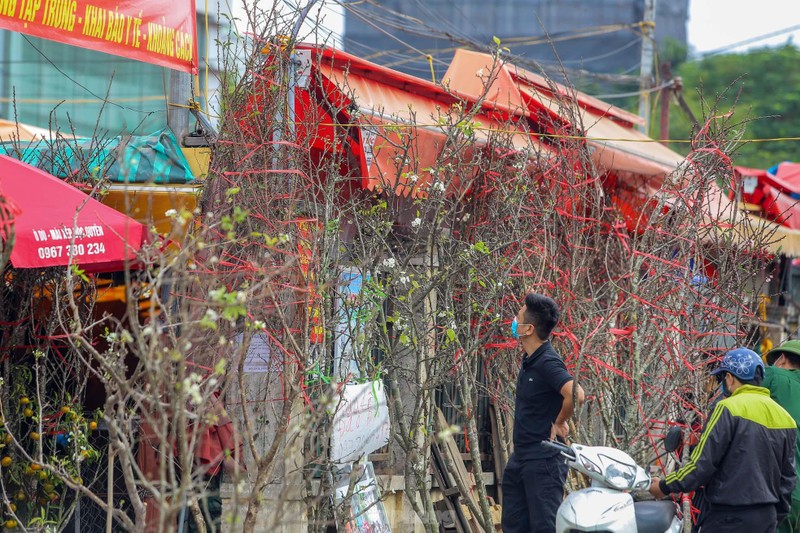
(732, 519)
(532, 491)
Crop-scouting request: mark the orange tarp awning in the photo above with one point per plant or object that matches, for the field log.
(617, 146)
(620, 149)
(396, 111)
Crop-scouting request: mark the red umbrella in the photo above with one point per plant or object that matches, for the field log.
(58, 225)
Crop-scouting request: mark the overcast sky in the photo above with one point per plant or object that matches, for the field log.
(715, 24)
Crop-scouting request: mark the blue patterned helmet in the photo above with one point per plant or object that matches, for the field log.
(742, 363)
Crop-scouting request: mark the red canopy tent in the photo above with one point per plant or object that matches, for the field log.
(57, 225)
(775, 194)
(374, 106)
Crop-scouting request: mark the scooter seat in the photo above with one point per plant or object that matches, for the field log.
(653, 516)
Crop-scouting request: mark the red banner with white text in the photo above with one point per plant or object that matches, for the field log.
(154, 31)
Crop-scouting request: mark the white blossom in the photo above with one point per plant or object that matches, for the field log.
(191, 386)
(438, 186)
(389, 262)
(171, 213)
(417, 222)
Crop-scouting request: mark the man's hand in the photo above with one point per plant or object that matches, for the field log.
(560, 429)
(655, 489)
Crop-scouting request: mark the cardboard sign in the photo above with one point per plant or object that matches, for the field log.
(154, 31)
(361, 422)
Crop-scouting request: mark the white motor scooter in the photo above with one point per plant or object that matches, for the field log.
(607, 506)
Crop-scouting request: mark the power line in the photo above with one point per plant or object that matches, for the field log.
(750, 40)
(669, 83)
(79, 84)
(82, 100)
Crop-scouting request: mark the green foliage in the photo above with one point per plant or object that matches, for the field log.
(673, 52)
(761, 87)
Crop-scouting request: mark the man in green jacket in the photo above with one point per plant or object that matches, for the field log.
(782, 378)
(745, 457)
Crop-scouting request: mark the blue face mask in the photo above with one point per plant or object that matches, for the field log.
(514, 326)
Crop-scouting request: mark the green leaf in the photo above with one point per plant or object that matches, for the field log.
(481, 247)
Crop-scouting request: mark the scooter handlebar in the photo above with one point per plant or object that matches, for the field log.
(563, 448)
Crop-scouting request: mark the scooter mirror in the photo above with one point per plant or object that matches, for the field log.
(673, 439)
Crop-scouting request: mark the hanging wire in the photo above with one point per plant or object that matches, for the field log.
(79, 84)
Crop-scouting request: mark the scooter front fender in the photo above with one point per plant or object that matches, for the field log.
(596, 509)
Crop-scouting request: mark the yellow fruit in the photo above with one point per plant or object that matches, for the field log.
(42, 500)
(9, 439)
(24, 400)
(65, 409)
(53, 497)
(6, 461)
(92, 425)
(28, 412)
(11, 523)
(73, 415)
(21, 496)
(48, 487)
(13, 507)
(36, 467)
(35, 436)
(29, 471)
(42, 475)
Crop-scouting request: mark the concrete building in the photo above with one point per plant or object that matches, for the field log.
(596, 35)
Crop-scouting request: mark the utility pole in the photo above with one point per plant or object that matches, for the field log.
(666, 98)
(646, 73)
(180, 91)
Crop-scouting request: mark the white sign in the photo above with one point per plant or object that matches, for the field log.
(257, 358)
(303, 65)
(368, 135)
(749, 184)
(366, 507)
(361, 423)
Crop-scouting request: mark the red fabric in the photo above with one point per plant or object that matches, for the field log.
(788, 174)
(757, 196)
(153, 31)
(781, 208)
(47, 220)
(217, 441)
(147, 460)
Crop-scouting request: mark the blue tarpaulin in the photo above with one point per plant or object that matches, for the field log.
(155, 158)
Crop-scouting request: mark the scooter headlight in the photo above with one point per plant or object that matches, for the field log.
(620, 476)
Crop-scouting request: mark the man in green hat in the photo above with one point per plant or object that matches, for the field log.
(782, 378)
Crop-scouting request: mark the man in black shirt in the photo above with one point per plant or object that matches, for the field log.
(533, 481)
